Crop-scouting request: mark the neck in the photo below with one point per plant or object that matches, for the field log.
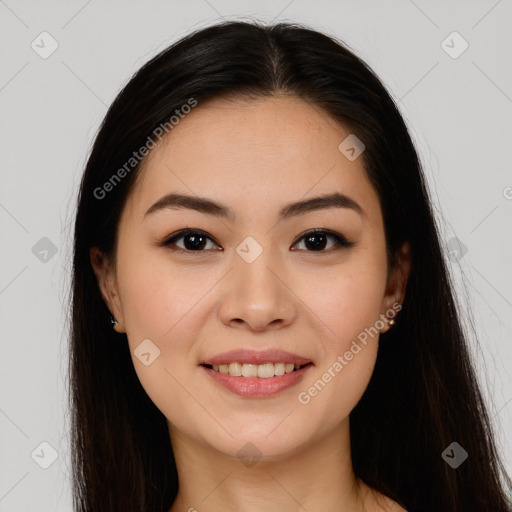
(315, 477)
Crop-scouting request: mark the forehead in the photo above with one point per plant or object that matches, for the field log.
(251, 154)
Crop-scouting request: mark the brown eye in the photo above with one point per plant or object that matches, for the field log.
(193, 240)
(317, 240)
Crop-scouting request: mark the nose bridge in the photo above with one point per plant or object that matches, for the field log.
(255, 291)
(252, 270)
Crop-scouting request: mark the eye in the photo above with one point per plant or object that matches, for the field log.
(197, 240)
(317, 239)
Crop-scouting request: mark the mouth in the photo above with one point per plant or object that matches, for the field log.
(256, 380)
(256, 371)
(256, 374)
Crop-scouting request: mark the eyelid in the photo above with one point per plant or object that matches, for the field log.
(167, 241)
(341, 240)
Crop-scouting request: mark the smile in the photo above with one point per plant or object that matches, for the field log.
(261, 371)
(256, 380)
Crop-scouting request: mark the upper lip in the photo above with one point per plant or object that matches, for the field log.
(245, 356)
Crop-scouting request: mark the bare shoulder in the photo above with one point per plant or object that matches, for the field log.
(375, 501)
(386, 504)
(394, 507)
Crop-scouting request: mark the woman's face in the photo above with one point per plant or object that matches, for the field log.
(253, 282)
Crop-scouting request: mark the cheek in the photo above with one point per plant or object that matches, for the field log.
(349, 339)
(345, 301)
(347, 309)
(157, 294)
(161, 303)
(164, 303)
(333, 392)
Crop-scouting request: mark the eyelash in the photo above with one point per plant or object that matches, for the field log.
(341, 241)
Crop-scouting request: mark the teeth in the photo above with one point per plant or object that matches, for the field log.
(278, 368)
(289, 367)
(262, 371)
(235, 369)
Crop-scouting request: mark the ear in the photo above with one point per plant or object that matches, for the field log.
(397, 282)
(107, 284)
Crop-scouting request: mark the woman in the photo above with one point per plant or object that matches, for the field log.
(254, 220)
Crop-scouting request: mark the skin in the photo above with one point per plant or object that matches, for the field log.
(255, 156)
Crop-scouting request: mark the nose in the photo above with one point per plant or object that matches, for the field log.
(256, 296)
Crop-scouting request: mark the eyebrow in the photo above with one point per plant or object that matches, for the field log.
(210, 207)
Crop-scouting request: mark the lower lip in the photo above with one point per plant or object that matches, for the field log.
(254, 387)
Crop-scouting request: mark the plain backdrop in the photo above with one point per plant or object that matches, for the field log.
(457, 102)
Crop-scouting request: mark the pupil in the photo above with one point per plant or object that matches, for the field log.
(197, 241)
(317, 245)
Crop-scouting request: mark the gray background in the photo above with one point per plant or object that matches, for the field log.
(458, 110)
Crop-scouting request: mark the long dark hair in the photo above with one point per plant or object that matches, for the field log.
(423, 394)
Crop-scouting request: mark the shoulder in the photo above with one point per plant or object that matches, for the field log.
(375, 501)
(386, 504)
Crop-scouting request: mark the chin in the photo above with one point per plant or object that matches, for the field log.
(260, 446)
